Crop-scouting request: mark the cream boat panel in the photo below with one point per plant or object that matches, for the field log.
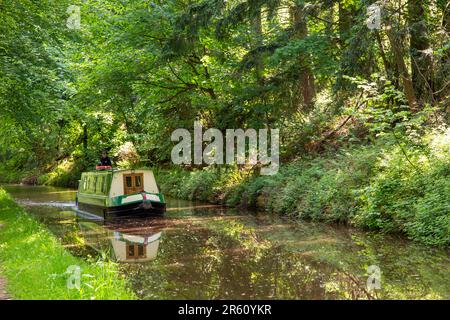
(116, 185)
(150, 182)
(117, 182)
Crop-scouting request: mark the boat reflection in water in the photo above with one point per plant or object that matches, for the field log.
(135, 248)
(123, 243)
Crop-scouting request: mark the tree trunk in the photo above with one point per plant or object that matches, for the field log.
(85, 138)
(257, 29)
(446, 27)
(398, 54)
(421, 63)
(306, 91)
(442, 76)
(345, 22)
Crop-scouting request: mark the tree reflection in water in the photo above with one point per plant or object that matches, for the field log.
(217, 253)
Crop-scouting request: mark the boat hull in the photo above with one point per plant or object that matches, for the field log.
(126, 210)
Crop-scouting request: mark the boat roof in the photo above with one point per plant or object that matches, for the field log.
(116, 170)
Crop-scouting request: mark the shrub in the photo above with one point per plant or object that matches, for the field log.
(410, 195)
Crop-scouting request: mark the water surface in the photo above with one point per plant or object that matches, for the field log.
(198, 251)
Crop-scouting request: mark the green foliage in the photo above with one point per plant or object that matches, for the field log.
(35, 263)
(206, 185)
(374, 187)
(65, 174)
(411, 197)
(199, 185)
(313, 188)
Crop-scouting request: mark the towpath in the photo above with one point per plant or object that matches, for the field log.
(3, 294)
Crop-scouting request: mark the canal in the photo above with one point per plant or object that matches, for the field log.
(198, 251)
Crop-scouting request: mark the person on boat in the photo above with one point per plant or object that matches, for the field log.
(105, 160)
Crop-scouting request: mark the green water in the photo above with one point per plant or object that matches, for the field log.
(201, 252)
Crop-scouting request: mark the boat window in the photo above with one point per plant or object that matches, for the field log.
(101, 183)
(129, 181)
(138, 181)
(140, 250)
(135, 251)
(103, 189)
(133, 183)
(130, 250)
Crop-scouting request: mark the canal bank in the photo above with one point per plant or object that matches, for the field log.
(36, 265)
(374, 187)
(366, 187)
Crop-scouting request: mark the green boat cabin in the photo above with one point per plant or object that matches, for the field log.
(119, 192)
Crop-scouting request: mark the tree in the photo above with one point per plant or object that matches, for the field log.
(306, 90)
(420, 50)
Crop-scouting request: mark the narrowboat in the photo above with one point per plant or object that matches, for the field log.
(112, 193)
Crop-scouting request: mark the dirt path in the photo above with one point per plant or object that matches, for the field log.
(3, 294)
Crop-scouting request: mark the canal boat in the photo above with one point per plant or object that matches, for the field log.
(111, 193)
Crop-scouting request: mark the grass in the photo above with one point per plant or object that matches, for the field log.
(35, 263)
